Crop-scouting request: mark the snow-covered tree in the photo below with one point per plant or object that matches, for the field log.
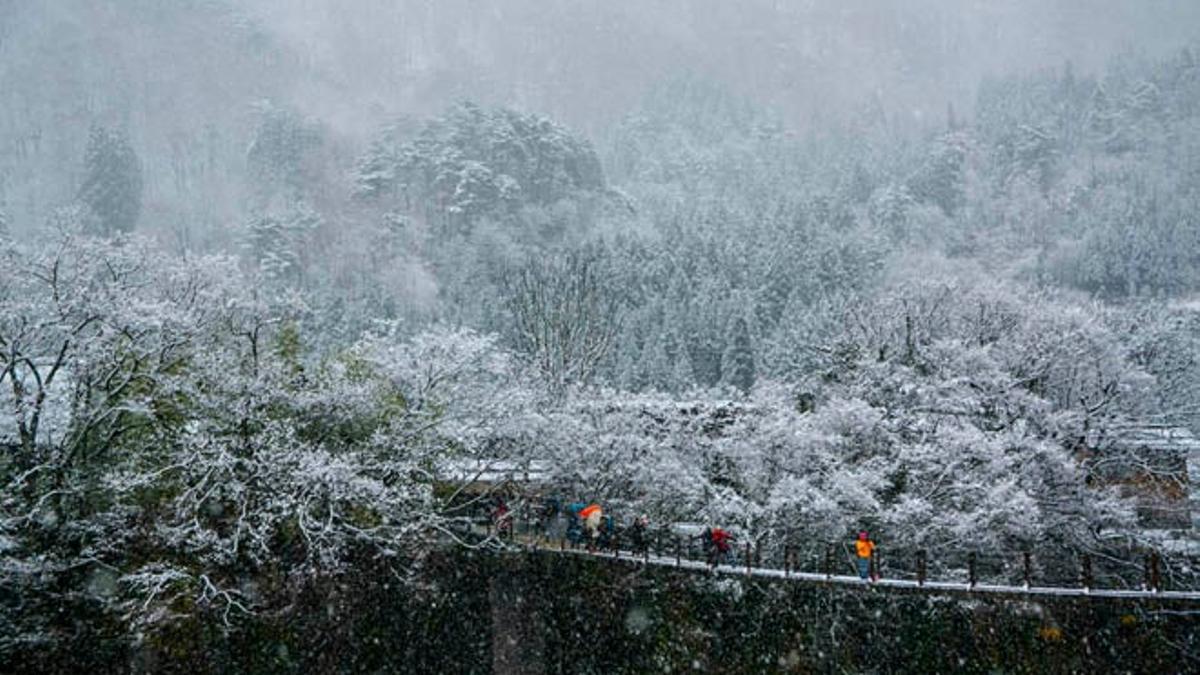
(473, 162)
(280, 244)
(564, 315)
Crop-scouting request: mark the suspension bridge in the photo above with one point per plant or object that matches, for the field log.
(748, 565)
(928, 586)
(537, 576)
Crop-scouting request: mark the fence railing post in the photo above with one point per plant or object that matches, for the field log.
(1155, 576)
(921, 556)
(758, 553)
(677, 550)
(828, 561)
(873, 565)
(1027, 568)
(1086, 571)
(749, 560)
(787, 560)
(971, 571)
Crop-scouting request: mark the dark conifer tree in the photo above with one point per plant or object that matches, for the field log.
(112, 182)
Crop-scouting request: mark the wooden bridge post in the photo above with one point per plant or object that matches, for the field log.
(749, 560)
(1155, 578)
(787, 560)
(1086, 571)
(1028, 568)
(828, 561)
(921, 555)
(971, 572)
(758, 552)
(677, 550)
(873, 565)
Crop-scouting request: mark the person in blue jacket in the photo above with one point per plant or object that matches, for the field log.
(575, 523)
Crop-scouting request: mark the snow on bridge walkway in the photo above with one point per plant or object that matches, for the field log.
(927, 587)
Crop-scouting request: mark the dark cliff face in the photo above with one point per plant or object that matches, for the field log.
(470, 612)
(634, 619)
(517, 623)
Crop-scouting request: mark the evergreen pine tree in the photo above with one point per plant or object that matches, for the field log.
(278, 159)
(655, 364)
(278, 243)
(682, 377)
(112, 183)
(737, 363)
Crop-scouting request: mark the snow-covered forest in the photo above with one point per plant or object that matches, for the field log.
(272, 272)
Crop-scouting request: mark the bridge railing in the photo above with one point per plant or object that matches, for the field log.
(1127, 569)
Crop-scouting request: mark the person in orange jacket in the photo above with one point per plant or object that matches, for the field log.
(864, 547)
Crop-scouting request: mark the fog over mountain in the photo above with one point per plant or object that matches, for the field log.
(171, 70)
(587, 62)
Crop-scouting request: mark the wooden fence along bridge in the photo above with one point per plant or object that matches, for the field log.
(748, 563)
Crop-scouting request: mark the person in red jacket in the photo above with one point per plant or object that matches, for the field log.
(502, 519)
(719, 544)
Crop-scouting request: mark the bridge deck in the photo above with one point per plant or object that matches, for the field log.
(935, 587)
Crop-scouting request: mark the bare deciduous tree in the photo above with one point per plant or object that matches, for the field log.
(564, 315)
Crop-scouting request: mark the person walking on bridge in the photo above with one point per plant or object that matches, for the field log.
(575, 531)
(593, 519)
(638, 535)
(719, 545)
(502, 519)
(864, 548)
